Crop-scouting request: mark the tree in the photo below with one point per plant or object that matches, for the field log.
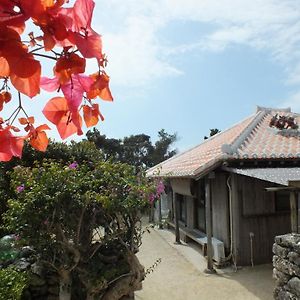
(162, 147)
(213, 131)
(136, 150)
(68, 40)
(110, 147)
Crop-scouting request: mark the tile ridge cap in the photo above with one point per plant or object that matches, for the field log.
(232, 148)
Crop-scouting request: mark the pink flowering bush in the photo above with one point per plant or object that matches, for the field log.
(84, 222)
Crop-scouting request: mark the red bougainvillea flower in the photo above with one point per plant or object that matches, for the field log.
(23, 69)
(11, 15)
(38, 138)
(5, 97)
(10, 145)
(67, 65)
(91, 115)
(81, 34)
(46, 15)
(100, 87)
(58, 113)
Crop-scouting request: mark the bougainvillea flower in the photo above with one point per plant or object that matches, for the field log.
(11, 15)
(83, 13)
(10, 145)
(91, 115)
(38, 138)
(23, 69)
(58, 113)
(20, 188)
(4, 67)
(89, 44)
(67, 65)
(50, 84)
(73, 90)
(100, 87)
(81, 34)
(160, 188)
(5, 97)
(151, 198)
(73, 165)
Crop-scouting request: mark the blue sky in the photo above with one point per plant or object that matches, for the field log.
(191, 65)
(188, 66)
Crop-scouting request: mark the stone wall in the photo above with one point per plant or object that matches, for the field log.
(286, 262)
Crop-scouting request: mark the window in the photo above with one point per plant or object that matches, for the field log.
(282, 201)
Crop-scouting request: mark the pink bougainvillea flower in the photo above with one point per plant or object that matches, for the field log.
(73, 90)
(160, 188)
(73, 165)
(16, 237)
(151, 198)
(20, 188)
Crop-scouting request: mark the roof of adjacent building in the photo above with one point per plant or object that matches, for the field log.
(250, 139)
(283, 176)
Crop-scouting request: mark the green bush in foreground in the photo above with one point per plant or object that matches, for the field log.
(12, 284)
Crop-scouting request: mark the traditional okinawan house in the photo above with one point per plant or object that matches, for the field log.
(237, 190)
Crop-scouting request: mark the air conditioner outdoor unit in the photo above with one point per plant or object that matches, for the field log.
(218, 250)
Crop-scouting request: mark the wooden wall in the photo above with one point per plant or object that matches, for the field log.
(220, 209)
(254, 212)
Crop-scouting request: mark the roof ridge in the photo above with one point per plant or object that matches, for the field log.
(232, 148)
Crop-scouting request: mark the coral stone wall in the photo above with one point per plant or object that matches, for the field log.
(286, 262)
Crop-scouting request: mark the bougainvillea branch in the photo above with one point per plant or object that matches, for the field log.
(67, 40)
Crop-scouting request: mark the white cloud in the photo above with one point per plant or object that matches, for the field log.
(138, 57)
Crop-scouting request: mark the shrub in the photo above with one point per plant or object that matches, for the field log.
(12, 283)
(84, 222)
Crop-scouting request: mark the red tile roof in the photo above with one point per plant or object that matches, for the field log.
(251, 139)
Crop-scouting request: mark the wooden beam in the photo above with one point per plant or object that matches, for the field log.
(295, 183)
(283, 188)
(210, 267)
(294, 212)
(176, 217)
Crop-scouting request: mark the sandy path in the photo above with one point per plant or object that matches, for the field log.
(180, 275)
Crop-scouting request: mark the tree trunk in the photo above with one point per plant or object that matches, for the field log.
(128, 284)
(65, 285)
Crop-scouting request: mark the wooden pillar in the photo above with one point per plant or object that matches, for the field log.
(294, 213)
(176, 217)
(298, 194)
(210, 267)
(159, 213)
